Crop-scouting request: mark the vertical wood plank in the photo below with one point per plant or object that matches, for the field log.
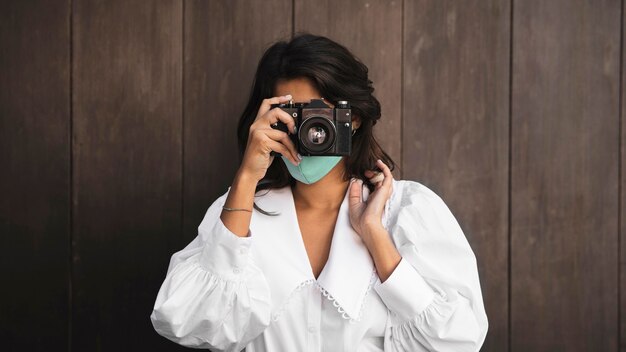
(622, 195)
(34, 182)
(372, 31)
(564, 195)
(127, 102)
(455, 129)
(224, 41)
(622, 208)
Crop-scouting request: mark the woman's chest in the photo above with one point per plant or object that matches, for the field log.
(280, 252)
(316, 230)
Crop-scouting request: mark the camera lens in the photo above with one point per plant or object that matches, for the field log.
(317, 134)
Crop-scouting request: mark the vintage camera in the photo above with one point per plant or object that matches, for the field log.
(321, 130)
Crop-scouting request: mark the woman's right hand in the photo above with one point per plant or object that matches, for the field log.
(262, 139)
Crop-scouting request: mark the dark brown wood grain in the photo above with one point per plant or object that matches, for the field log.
(565, 157)
(372, 31)
(622, 203)
(127, 101)
(34, 181)
(224, 41)
(117, 131)
(455, 128)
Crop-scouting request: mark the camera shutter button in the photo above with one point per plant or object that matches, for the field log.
(342, 104)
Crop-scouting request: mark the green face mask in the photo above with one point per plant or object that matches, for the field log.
(311, 168)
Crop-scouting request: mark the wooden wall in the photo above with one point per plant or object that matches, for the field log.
(117, 131)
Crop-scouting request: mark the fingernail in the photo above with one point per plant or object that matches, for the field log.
(288, 96)
(295, 129)
(299, 156)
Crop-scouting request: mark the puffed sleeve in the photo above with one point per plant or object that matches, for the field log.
(214, 296)
(434, 294)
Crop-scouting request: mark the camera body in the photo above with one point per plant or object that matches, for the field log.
(321, 130)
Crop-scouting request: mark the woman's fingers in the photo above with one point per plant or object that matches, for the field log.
(270, 116)
(283, 138)
(278, 114)
(267, 104)
(376, 201)
(262, 139)
(388, 177)
(355, 197)
(282, 149)
(380, 178)
(376, 178)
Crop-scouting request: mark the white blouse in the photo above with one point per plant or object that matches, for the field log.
(224, 292)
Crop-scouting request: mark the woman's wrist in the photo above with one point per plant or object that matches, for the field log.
(383, 251)
(372, 225)
(373, 232)
(244, 178)
(240, 196)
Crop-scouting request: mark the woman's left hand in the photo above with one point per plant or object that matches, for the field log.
(366, 217)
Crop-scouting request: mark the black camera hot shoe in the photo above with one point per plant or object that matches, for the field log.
(321, 130)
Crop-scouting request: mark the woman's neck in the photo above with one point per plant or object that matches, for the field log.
(327, 193)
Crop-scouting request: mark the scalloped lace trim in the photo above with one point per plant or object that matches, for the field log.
(388, 209)
(326, 294)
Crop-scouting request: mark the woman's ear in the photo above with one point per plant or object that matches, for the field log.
(356, 122)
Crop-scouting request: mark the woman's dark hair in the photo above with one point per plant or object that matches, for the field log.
(338, 75)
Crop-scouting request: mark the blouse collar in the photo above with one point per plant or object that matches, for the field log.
(348, 274)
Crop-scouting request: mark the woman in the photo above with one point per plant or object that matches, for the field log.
(301, 254)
